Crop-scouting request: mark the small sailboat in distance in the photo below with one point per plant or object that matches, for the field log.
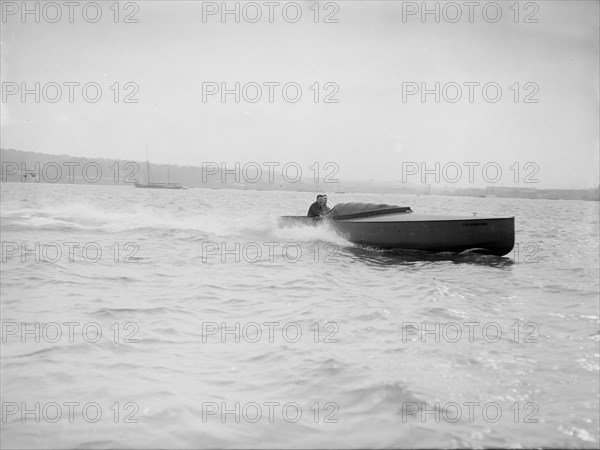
(155, 185)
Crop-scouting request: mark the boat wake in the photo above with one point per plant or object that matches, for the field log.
(322, 232)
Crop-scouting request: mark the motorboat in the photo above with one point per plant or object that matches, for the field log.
(398, 227)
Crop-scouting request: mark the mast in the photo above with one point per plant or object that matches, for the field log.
(147, 166)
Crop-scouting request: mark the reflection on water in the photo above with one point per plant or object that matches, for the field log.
(412, 257)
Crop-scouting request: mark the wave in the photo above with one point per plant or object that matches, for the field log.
(164, 221)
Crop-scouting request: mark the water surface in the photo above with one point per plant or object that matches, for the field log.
(395, 350)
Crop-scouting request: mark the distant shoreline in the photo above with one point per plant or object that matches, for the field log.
(41, 168)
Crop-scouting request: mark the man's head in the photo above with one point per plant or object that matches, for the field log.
(324, 199)
(319, 199)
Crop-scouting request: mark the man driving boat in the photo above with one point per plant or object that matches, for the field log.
(319, 208)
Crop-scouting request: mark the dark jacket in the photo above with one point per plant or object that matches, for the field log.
(315, 210)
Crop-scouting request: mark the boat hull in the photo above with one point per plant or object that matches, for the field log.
(430, 233)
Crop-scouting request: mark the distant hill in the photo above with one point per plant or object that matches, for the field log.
(32, 167)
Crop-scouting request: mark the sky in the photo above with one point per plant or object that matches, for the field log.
(361, 67)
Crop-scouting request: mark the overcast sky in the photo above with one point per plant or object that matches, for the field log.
(367, 55)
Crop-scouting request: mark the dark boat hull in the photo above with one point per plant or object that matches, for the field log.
(430, 233)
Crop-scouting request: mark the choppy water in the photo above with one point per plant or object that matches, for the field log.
(373, 378)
